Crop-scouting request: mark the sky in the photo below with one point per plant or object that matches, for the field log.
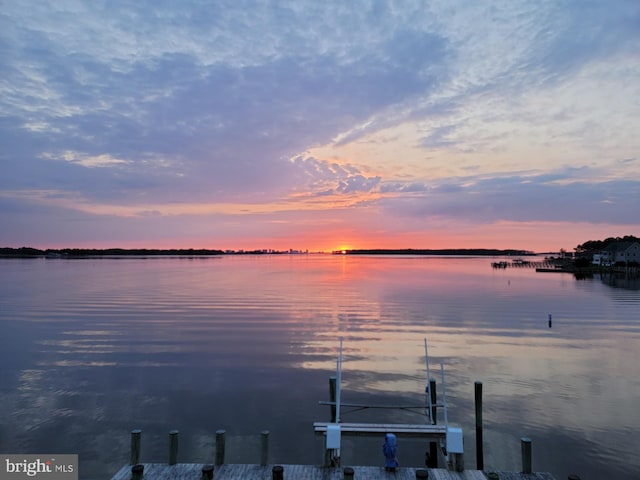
(250, 124)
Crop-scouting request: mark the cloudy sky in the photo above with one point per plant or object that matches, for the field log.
(319, 125)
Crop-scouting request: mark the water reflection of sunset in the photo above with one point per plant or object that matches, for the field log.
(229, 331)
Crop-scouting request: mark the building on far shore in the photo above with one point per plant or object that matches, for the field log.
(625, 252)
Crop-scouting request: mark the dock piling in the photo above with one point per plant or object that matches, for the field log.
(207, 472)
(137, 471)
(525, 443)
(332, 397)
(432, 458)
(220, 447)
(479, 442)
(173, 447)
(264, 448)
(135, 446)
(434, 398)
(277, 472)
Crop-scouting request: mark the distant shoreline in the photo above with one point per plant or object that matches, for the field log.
(28, 252)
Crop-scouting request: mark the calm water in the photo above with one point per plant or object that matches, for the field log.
(93, 348)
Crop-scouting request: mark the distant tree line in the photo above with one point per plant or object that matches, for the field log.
(108, 252)
(21, 252)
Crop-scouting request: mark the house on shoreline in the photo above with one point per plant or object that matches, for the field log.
(618, 252)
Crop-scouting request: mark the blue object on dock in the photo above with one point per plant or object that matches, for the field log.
(390, 450)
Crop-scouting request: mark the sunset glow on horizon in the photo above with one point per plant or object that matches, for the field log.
(319, 126)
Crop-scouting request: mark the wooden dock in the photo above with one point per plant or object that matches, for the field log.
(445, 446)
(193, 471)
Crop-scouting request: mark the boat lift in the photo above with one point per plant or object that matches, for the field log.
(447, 440)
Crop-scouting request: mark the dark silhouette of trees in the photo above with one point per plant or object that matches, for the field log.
(26, 252)
(595, 246)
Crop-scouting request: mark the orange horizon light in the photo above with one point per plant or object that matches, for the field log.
(343, 248)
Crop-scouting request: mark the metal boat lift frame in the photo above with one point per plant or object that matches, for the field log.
(449, 439)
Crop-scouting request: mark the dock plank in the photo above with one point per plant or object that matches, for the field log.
(525, 476)
(193, 471)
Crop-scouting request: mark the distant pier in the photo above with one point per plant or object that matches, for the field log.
(547, 265)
